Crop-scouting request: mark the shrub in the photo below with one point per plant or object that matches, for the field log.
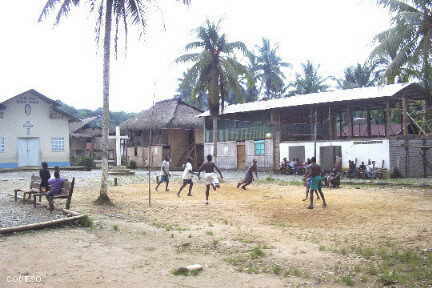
(87, 162)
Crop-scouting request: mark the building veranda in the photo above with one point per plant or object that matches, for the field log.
(382, 124)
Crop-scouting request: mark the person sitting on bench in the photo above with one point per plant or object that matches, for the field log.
(56, 186)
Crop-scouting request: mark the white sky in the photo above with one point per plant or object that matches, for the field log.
(62, 62)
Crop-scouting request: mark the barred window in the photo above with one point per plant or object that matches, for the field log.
(57, 144)
(2, 144)
(259, 147)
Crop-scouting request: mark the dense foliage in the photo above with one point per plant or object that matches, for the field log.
(115, 117)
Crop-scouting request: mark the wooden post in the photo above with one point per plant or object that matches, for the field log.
(404, 116)
(368, 123)
(276, 134)
(350, 122)
(387, 120)
(315, 131)
(330, 123)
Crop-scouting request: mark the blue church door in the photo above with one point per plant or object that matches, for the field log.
(28, 152)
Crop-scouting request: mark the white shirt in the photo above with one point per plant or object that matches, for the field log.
(166, 165)
(187, 171)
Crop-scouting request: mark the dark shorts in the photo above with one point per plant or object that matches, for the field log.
(163, 178)
(187, 181)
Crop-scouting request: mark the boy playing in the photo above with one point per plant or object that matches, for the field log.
(210, 176)
(164, 174)
(249, 175)
(187, 177)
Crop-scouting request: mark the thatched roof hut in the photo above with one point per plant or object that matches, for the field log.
(166, 114)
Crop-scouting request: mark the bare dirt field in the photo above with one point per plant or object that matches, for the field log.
(263, 237)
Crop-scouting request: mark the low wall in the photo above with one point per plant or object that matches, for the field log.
(377, 150)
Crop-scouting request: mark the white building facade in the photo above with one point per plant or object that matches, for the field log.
(33, 130)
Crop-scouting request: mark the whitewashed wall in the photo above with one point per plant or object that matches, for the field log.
(376, 150)
(227, 154)
(44, 127)
(264, 161)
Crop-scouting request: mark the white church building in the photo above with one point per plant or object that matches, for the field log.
(33, 130)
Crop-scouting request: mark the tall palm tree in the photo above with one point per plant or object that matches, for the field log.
(215, 69)
(409, 37)
(117, 13)
(184, 93)
(269, 66)
(360, 75)
(309, 81)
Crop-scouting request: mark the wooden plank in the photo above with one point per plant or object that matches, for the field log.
(387, 119)
(404, 116)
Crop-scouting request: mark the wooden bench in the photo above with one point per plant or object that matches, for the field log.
(66, 193)
(35, 182)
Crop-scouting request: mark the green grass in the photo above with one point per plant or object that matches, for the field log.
(168, 227)
(115, 228)
(271, 180)
(185, 272)
(347, 280)
(86, 221)
(392, 265)
(256, 252)
(210, 233)
(276, 269)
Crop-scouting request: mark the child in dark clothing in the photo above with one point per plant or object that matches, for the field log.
(45, 176)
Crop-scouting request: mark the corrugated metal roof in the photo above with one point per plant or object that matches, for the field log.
(316, 98)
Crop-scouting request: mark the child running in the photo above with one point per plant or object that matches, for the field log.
(249, 176)
(187, 177)
(164, 174)
(210, 176)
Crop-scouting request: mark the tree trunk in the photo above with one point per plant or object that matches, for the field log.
(103, 197)
(215, 138)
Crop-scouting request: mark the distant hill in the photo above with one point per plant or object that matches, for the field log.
(115, 117)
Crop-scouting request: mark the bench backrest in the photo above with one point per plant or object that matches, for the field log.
(68, 187)
(35, 182)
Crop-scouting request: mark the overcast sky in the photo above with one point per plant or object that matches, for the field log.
(62, 62)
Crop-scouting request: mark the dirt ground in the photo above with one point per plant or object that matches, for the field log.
(263, 237)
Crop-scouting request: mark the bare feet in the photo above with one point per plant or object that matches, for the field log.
(238, 185)
(305, 199)
(178, 194)
(325, 205)
(243, 187)
(310, 207)
(206, 202)
(189, 194)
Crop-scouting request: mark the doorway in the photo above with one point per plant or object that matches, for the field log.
(28, 152)
(241, 156)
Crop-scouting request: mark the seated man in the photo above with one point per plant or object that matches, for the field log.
(333, 180)
(56, 186)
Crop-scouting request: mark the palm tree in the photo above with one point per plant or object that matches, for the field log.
(409, 39)
(360, 75)
(117, 13)
(269, 66)
(184, 93)
(309, 81)
(215, 69)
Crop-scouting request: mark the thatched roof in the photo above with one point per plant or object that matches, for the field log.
(172, 113)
